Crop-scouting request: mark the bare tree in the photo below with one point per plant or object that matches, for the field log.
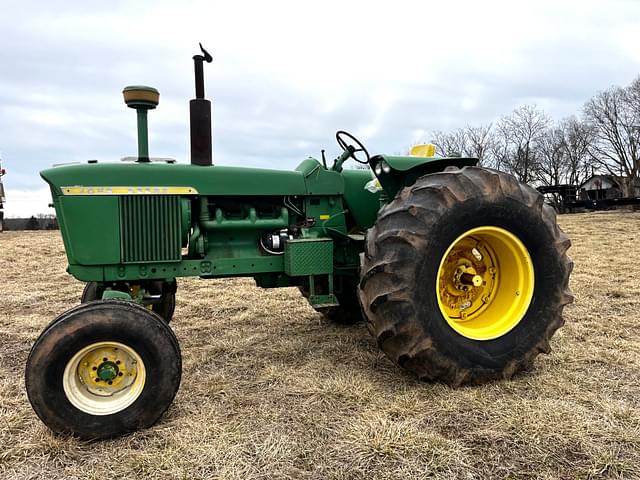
(563, 153)
(479, 142)
(469, 142)
(498, 152)
(633, 97)
(613, 115)
(517, 138)
(551, 161)
(448, 143)
(577, 140)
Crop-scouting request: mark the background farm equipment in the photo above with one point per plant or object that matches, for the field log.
(459, 272)
(577, 198)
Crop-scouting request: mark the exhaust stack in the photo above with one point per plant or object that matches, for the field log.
(200, 113)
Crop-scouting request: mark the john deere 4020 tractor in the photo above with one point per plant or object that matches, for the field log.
(460, 273)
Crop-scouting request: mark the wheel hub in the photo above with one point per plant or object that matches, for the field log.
(104, 378)
(485, 283)
(107, 371)
(466, 278)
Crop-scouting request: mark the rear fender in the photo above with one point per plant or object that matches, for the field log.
(402, 171)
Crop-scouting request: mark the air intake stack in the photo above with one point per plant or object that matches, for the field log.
(142, 99)
(200, 113)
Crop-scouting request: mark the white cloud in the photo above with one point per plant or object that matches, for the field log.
(287, 74)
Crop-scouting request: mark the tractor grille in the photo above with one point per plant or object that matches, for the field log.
(150, 228)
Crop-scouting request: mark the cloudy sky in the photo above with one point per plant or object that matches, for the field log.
(287, 74)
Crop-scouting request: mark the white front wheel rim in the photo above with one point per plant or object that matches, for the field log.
(104, 378)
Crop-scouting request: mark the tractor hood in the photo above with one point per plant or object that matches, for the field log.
(183, 179)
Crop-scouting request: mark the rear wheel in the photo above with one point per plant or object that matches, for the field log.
(464, 276)
(162, 294)
(103, 369)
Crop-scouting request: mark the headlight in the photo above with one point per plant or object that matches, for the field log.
(378, 169)
(385, 167)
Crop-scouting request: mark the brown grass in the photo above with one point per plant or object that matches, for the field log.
(271, 390)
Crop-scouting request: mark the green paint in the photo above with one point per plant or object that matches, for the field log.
(435, 164)
(318, 180)
(110, 294)
(90, 227)
(107, 371)
(312, 256)
(132, 237)
(143, 136)
(362, 204)
(213, 180)
(405, 170)
(215, 231)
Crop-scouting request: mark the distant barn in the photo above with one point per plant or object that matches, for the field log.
(596, 193)
(601, 187)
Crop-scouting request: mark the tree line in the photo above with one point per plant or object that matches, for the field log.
(603, 138)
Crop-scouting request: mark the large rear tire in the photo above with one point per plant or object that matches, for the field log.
(464, 276)
(103, 369)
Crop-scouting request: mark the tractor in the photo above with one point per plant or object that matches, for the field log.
(459, 272)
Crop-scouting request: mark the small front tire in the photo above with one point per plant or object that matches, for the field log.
(103, 369)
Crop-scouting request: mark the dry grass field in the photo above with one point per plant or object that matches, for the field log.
(272, 390)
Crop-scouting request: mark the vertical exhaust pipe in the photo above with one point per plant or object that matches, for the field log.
(200, 113)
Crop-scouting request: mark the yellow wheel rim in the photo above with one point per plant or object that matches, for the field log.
(104, 378)
(485, 283)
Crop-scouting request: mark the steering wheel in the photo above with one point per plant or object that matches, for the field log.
(343, 137)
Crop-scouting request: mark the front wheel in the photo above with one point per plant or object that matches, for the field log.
(103, 369)
(465, 276)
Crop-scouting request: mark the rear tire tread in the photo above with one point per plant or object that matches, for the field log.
(386, 254)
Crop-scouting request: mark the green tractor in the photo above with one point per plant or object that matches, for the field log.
(459, 272)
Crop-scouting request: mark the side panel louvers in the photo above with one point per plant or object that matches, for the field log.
(150, 228)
